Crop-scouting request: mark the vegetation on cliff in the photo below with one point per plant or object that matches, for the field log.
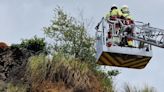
(66, 65)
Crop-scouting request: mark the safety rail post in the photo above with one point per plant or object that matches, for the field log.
(103, 32)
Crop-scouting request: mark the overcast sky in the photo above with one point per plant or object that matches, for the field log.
(26, 18)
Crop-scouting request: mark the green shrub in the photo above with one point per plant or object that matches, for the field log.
(106, 80)
(34, 44)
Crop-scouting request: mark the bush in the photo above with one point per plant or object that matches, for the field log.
(35, 44)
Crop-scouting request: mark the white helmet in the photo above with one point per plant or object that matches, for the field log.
(125, 9)
(114, 5)
(125, 6)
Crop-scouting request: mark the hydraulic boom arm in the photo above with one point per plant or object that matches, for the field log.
(150, 35)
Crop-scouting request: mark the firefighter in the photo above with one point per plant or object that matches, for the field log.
(125, 12)
(128, 21)
(113, 15)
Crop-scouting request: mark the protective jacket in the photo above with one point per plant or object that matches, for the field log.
(114, 13)
(127, 16)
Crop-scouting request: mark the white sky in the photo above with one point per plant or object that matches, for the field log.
(26, 18)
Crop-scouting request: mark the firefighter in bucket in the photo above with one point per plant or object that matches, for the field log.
(128, 28)
(114, 14)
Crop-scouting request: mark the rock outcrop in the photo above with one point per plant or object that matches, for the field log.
(12, 60)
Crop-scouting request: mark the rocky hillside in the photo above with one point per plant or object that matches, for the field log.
(11, 59)
(12, 64)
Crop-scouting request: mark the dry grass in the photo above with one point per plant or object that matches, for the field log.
(17, 87)
(73, 73)
(146, 88)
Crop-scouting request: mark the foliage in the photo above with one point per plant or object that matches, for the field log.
(70, 36)
(36, 69)
(113, 73)
(17, 87)
(106, 79)
(15, 46)
(61, 69)
(129, 88)
(148, 89)
(35, 44)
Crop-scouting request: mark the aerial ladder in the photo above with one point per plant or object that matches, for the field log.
(110, 51)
